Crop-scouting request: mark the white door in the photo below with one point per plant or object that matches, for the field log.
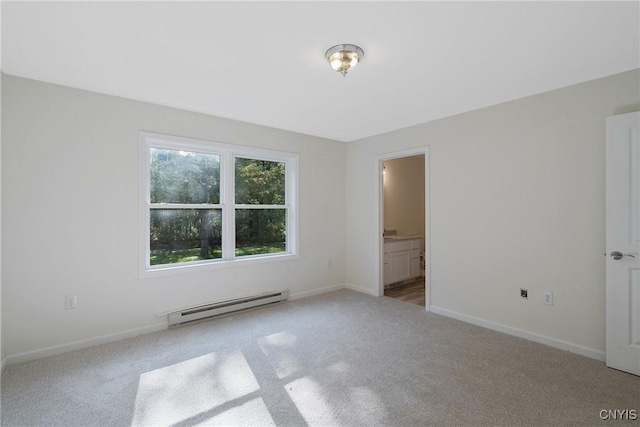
(623, 242)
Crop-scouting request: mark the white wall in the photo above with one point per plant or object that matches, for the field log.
(517, 200)
(1, 337)
(404, 196)
(516, 196)
(70, 216)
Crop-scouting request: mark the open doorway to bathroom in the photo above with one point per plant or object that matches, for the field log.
(404, 227)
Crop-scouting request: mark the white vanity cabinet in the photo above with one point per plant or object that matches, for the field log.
(401, 259)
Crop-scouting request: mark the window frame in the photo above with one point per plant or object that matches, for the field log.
(228, 154)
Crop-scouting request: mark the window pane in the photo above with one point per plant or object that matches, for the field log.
(184, 235)
(259, 182)
(260, 231)
(184, 177)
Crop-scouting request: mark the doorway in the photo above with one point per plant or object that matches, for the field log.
(403, 226)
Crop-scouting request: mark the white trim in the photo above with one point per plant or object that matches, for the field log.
(227, 194)
(228, 153)
(77, 345)
(212, 147)
(332, 288)
(184, 206)
(362, 290)
(195, 266)
(379, 208)
(350, 286)
(314, 292)
(261, 206)
(144, 178)
(117, 336)
(520, 333)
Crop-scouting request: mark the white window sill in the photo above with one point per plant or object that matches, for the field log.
(198, 266)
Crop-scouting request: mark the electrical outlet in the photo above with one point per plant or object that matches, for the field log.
(524, 293)
(69, 302)
(548, 298)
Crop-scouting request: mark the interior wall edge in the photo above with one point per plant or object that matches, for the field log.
(361, 289)
(80, 344)
(319, 291)
(521, 333)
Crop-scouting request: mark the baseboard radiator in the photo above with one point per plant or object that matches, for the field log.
(224, 307)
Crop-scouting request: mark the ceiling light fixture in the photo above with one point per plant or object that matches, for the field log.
(344, 57)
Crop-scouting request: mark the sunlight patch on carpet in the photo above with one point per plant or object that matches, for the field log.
(281, 349)
(251, 413)
(312, 402)
(333, 399)
(203, 386)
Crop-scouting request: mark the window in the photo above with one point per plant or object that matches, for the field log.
(209, 204)
(260, 210)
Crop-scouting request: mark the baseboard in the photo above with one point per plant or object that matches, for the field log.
(90, 342)
(313, 292)
(77, 345)
(361, 289)
(305, 294)
(520, 333)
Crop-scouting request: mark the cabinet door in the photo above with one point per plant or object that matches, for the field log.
(399, 266)
(415, 267)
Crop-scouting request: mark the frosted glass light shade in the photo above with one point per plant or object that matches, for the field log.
(343, 57)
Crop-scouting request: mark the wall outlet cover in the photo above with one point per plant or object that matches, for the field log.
(69, 302)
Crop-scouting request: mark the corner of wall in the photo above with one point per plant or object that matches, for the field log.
(305, 294)
(360, 289)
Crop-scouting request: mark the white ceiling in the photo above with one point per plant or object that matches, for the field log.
(263, 62)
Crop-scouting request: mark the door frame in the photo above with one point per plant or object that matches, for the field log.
(379, 212)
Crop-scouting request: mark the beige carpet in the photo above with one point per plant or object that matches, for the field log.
(337, 359)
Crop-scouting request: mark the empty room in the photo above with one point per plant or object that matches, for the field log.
(320, 213)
